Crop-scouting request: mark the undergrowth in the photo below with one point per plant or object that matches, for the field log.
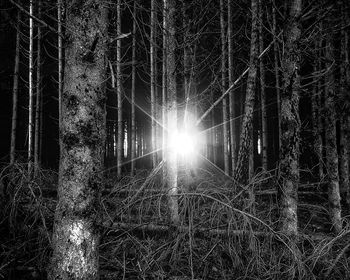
(226, 232)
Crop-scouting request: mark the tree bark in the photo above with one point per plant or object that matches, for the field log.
(119, 96)
(82, 138)
(153, 78)
(31, 91)
(331, 136)
(290, 122)
(133, 77)
(171, 157)
(60, 57)
(262, 92)
(232, 102)
(15, 92)
(245, 144)
(223, 89)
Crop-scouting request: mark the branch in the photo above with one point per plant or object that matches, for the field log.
(33, 17)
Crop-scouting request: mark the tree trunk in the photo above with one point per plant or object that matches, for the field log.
(31, 91)
(164, 89)
(133, 77)
(119, 96)
(153, 99)
(262, 92)
(223, 89)
(171, 157)
(245, 144)
(60, 58)
(331, 137)
(290, 122)
(232, 102)
(38, 98)
(15, 92)
(82, 138)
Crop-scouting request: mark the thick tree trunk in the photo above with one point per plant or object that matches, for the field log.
(171, 157)
(133, 77)
(232, 102)
(15, 92)
(31, 91)
(223, 89)
(153, 79)
(60, 57)
(290, 122)
(119, 96)
(331, 137)
(37, 99)
(82, 138)
(245, 144)
(262, 92)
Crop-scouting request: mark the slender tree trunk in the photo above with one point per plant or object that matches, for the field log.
(119, 96)
(277, 72)
(38, 98)
(15, 92)
(213, 132)
(232, 102)
(31, 90)
(133, 77)
(82, 139)
(262, 92)
(223, 89)
(290, 122)
(60, 57)
(153, 99)
(331, 137)
(245, 144)
(164, 89)
(171, 157)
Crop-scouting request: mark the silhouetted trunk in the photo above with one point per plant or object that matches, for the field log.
(331, 136)
(245, 143)
(133, 77)
(232, 102)
(37, 98)
(223, 89)
(171, 157)
(15, 92)
(153, 79)
(290, 122)
(82, 139)
(119, 95)
(262, 92)
(31, 91)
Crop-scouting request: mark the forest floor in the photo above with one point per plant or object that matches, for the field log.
(226, 232)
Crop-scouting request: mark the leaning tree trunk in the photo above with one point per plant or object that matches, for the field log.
(119, 95)
(290, 122)
(262, 92)
(37, 99)
(331, 137)
(171, 157)
(223, 88)
(245, 144)
(82, 137)
(31, 90)
(133, 80)
(15, 92)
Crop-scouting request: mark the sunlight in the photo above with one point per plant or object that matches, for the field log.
(183, 143)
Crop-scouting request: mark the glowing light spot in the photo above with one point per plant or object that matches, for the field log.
(183, 143)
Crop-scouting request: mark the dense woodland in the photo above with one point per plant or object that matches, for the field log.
(169, 139)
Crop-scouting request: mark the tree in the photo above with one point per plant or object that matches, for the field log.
(15, 91)
(82, 137)
(31, 89)
(290, 121)
(133, 81)
(245, 143)
(60, 57)
(119, 95)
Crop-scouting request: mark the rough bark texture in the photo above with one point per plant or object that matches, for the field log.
(60, 58)
(31, 91)
(133, 77)
(223, 89)
(15, 93)
(232, 102)
(290, 122)
(331, 138)
(153, 79)
(262, 93)
(171, 157)
(82, 138)
(245, 143)
(119, 96)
